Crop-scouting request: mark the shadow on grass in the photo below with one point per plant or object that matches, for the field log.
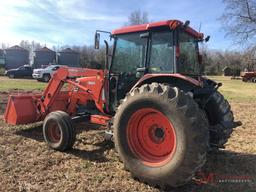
(36, 132)
(96, 154)
(224, 171)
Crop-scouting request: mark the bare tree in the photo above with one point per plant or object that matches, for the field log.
(239, 20)
(137, 17)
(4, 46)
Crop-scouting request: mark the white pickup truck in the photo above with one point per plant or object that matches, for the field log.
(46, 73)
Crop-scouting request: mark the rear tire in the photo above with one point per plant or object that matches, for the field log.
(218, 110)
(58, 131)
(174, 158)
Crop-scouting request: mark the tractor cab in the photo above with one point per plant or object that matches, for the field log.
(166, 47)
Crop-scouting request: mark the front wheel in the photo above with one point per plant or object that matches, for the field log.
(58, 131)
(46, 78)
(161, 135)
(11, 76)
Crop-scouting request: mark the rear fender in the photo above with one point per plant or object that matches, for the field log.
(181, 81)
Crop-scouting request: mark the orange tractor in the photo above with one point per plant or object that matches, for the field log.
(163, 114)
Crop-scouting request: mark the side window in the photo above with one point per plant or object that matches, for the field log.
(162, 52)
(188, 60)
(130, 53)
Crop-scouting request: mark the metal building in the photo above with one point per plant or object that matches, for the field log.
(44, 56)
(16, 56)
(69, 57)
(2, 59)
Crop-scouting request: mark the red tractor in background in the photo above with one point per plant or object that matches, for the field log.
(163, 114)
(249, 76)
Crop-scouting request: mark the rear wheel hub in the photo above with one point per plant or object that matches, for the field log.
(157, 134)
(151, 137)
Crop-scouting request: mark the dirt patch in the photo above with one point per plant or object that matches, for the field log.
(3, 101)
(27, 164)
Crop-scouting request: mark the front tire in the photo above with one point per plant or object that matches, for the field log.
(11, 76)
(161, 135)
(46, 77)
(58, 131)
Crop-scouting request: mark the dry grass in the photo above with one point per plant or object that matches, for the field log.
(237, 90)
(7, 84)
(27, 164)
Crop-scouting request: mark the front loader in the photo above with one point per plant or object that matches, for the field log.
(151, 95)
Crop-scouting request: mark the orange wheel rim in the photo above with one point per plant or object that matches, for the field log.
(151, 137)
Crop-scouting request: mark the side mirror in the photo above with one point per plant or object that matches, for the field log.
(207, 38)
(97, 41)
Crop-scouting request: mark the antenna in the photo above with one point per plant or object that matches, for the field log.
(200, 25)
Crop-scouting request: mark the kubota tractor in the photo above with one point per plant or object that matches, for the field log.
(164, 115)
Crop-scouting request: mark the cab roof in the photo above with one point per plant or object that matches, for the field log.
(172, 24)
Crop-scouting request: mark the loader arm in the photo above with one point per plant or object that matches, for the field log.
(84, 85)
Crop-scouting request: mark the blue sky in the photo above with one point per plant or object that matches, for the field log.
(73, 22)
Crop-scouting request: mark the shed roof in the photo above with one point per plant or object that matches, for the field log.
(16, 47)
(44, 49)
(68, 50)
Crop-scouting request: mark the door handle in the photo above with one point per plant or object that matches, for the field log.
(141, 69)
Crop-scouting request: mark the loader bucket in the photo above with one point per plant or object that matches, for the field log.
(21, 109)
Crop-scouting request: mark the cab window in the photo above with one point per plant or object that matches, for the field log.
(162, 52)
(188, 58)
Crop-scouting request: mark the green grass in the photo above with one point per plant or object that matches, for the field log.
(236, 90)
(7, 84)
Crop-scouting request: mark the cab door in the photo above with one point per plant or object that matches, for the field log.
(128, 62)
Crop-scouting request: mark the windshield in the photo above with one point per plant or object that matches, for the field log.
(188, 56)
(50, 67)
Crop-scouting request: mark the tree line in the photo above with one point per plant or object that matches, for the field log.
(215, 61)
